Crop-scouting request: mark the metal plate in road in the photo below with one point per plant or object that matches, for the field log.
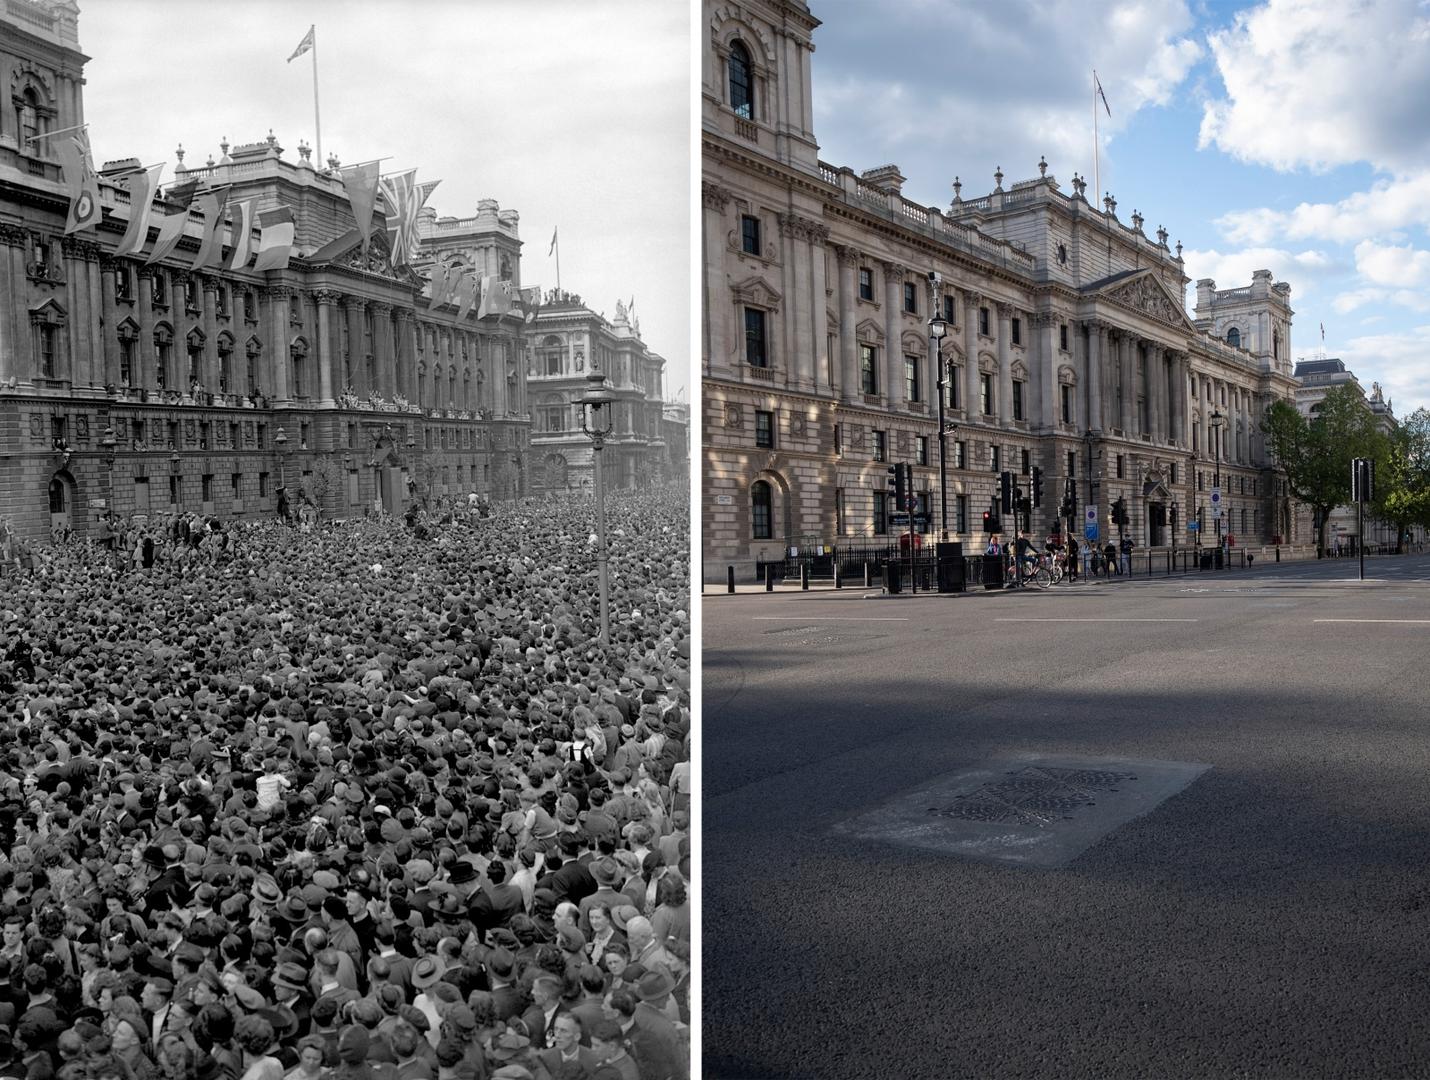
(1027, 810)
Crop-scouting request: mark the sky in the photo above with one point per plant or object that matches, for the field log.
(1289, 135)
(574, 113)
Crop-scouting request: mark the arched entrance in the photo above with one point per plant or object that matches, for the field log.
(62, 504)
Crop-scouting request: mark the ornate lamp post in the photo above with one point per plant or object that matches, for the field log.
(597, 426)
(937, 329)
(174, 462)
(109, 442)
(280, 440)
(1216, 420)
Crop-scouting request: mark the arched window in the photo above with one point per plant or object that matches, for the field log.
(163, 355)
(27, 109)
(761, 510)
(195, 343)
(59, 501)
(225, 363)
(299, 353)
(742, 84)
(1233, 337)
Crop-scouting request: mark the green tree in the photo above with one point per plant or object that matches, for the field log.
(1403, 495)
(1315, 453)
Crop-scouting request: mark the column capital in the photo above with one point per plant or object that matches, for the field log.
(13, 235)
(1005, 310)
(847, 256)
(380, 307)
(714, 196)
(326, 297)
(276, 292)
(209, 283)
(75, 248)
(972, 297)
(895, 272)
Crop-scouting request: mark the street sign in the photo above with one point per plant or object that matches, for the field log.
(1216, 503)
(1089, 522)
(1089, 532)
(899, 518)
(1194, 526)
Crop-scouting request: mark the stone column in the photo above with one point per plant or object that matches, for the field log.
(109, 332)
(276, 300)
(799, 319)
(147, 354)
(209, 286)
(972, 405)
(893, 339)
(382, 347)
(327, 301)
(718, 309)
(1005, 363)
(1047, 370)
(1156, 392)
(405, 366)
(83, 329)
(1092, 376)
(848, 346)
(819, 316)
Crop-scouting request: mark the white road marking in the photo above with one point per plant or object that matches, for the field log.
(823, 619)
(1097, 620)
(1417, 622)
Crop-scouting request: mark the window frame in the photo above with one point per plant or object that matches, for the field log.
(750, 240)
(765, 429)
(742, 91)
(761, 340)
(762, 510)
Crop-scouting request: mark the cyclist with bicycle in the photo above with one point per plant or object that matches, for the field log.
(1028, 555)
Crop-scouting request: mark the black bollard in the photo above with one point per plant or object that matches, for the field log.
(868, 576)
(729, 579)
(769, 577)
(1278, 553)
(838, 577)
(804, 576)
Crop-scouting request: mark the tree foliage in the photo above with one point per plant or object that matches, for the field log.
(1315, 453)
(1403, 496)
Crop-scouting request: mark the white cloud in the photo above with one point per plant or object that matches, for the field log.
(1388, 206)
(1390, 265)
(1316, 84)
(1397, 362)
(1233, 269)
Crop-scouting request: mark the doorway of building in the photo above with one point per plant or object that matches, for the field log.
(62, 492)
(1156, 524)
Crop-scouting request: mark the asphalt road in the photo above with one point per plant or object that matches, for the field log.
(1271, 919)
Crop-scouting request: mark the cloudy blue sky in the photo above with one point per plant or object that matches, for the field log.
(575, 113)
(1290, 135)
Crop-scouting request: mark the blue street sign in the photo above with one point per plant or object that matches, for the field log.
(1089, 532)
(1194, 526)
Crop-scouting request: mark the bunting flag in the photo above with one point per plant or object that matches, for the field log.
(171, 231)
(275, 241)
(142, 185)
(438, 285)
(81, 181)
(466, 293)
(425, 189)
(531, 302)
(304, 45)
(400, 195)
(240, 242)
(360, 184)
(1100, 94)
(496, 297)
(211, 205)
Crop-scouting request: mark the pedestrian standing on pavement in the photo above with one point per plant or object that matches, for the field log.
(1127, 546)
(1109, 554)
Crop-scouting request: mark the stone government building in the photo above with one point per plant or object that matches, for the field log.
(1068, 346)
(156, 388)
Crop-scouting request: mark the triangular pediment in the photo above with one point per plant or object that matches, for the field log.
(346, 250)
(1143, 292)
(756, 291)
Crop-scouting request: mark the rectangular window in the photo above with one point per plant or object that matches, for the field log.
(881, 512)
(1017, 399)
(138, 436)
(173, 443)
(839, 438)
(235, 483)
(1253, 479)
(950, 309)
(921, 449)
(838, 511)
(750, 234)
(911, 298)
(1017, 331)
(960, 513)
(173, 489)
(1067, 403)
(923, 523)
(995, 458)
(960, 454)
(1200, 481)
(911, 378)
(123, 283)
(1072, 463)
(141, 494)
(756, 354)
(126, 360)
(1174, 472)
(263, 485)
(206, 487)
(985, 393)
(1024, 457)
(1121, 467)
(869, 369)
(47, 350)
(203, 435)
(880, 447)
(866, 283)
(983, 321)
(221, 300)
(1063, 337)
(764, 428)
(262, 435)
(955, 380)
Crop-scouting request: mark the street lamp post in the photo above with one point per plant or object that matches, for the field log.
(109, 442)
(598, 426)
(1216, 420)
(281, 441)
(937, 329)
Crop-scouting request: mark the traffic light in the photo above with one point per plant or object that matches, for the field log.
(991, 522)
(1119, 512)
(1005, 491)
(899, 482)
(1362, 480)
(1037, 486)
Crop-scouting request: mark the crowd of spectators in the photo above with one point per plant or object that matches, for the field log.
(355, 802)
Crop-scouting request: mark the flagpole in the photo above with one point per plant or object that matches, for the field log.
(556, 243)
(61, 131)
(317, 124)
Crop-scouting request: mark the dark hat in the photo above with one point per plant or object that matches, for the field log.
(605, 870)
(290, 976)
(426, 972)
(653, 985)
(462, 872)
(501, 963)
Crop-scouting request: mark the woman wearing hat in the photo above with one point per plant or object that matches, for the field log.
(127, 1043)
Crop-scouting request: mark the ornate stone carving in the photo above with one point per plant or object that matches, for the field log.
(380, 308)
(13, 235)
(733, 418)
(715, 197)
(275, 292)
(75, 248)
(797, 425)
(324, 297)
(847, 256)
(800, 228)
(895, 271)
(1147, 296)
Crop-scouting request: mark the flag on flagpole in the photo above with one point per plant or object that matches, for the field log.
(360, 184)
(466, 293)
(496, 297)
(399, 192)
(241, 240)
(1101, 94)
(553, 244)
(83, 184)
(275, 241)
(304, 45)
(142, 185)
(171, 231)
(211, 205)
(441, 285)
(424, 190)
(531, 302)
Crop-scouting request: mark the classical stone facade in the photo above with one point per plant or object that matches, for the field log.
(569, 342)
(1068, 346)
(152, 388)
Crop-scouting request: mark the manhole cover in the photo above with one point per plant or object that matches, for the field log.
(1029, 810)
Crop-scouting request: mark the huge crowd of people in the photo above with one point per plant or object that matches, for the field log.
(363, 801)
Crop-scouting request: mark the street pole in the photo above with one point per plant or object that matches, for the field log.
(602, 559)
(936, 332)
